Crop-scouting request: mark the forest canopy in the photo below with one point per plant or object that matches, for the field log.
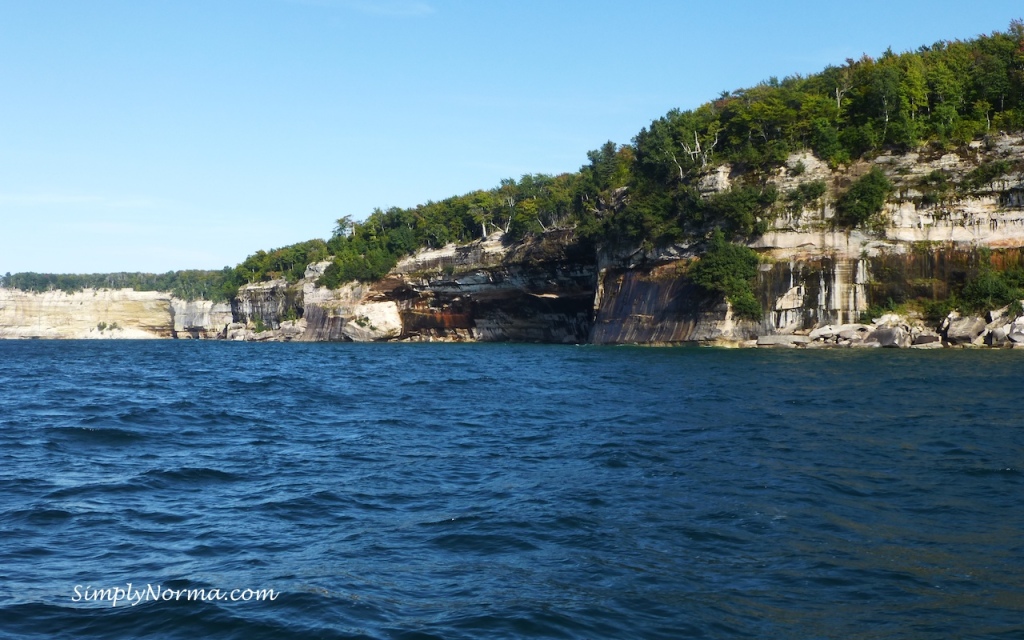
(217, 286)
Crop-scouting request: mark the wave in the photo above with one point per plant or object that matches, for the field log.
(460, 491)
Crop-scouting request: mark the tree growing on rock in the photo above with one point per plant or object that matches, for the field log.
(863, 199)
(729, 269)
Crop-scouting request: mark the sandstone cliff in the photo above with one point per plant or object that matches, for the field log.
(538, 291)
(813, 275)
(108, 314)
(815, 281)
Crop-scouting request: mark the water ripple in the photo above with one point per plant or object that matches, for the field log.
(503, 491)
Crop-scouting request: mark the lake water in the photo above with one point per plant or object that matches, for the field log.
(509, 491)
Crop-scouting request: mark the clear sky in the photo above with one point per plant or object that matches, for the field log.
(152, 135)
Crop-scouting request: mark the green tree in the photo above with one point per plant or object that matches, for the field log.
(729, 269)
(863, 199)
(913, 87)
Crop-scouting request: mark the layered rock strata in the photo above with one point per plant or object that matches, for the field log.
(815, 282)
(486, 291)
(108, 314)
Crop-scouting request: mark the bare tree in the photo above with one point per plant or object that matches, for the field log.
(698, 152)
(844, 82)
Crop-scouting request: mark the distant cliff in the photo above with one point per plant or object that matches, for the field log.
(815, 283)
(109, 314)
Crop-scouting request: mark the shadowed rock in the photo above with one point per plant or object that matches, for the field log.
(964, 330)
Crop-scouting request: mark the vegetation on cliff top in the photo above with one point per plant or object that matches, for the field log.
(218, 286)
(649, 194)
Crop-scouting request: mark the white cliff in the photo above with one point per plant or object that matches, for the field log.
(88, 314)
(99, 314)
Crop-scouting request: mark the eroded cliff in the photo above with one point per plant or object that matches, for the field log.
(926, 244)
(538, 291)
(815, 279)
(108, 314)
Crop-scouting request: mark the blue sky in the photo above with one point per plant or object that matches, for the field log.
(151, 135)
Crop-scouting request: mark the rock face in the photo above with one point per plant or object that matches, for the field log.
(530, 303)
(86, 314)
(265, 303)
(200, 319)
(485, 291)
(109, 314)
(657, 306)
(814, 275)
(965, 330)
(351, 320)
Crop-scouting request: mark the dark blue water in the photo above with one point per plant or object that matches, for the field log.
(499, 491)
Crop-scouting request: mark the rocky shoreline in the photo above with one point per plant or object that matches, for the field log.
(368, 318)
(998, 330)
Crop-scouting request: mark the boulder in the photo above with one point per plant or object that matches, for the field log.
(891, 337)
(948, 320)
(854, 332)
(292, 329)
(996, 315)
(997, 336)
(824, 333)
(965, 330)
(840, 332)
(237, 331)
(889, 320)
(1016, 337)
(926, 338)
(819, 344)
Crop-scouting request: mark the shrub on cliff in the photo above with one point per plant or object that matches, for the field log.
(743, 209)
(805, 195)
(863, 199)
(984, 175)
(729, 269)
